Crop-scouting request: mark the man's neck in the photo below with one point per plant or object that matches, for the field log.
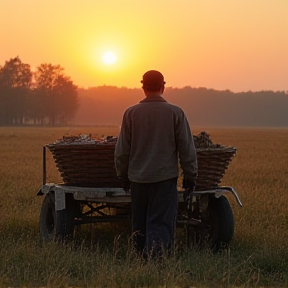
(153, 94)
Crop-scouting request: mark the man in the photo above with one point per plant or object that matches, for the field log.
(153, 134)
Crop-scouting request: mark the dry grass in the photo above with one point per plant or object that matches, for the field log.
(258, 255)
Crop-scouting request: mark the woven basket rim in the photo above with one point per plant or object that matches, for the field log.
(69, 145)
(221, 148)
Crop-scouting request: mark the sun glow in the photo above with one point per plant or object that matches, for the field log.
(109, 58)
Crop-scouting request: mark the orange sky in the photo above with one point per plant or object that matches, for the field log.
(239, 45)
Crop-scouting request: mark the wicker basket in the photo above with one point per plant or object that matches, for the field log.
(212, 164)
(86, 165)
(92, 165)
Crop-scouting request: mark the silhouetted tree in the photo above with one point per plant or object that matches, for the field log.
(66, 97)
(36, 108)
(15, 83)
(59, 96)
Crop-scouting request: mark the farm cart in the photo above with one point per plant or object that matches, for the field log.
(91, 193)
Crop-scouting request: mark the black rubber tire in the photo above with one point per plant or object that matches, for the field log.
(57, 225)
(220, 223)
(217, 230)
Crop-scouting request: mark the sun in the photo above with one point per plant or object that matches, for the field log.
(109, 58)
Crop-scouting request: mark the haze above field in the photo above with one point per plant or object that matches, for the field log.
(204, 107)
(224, 44)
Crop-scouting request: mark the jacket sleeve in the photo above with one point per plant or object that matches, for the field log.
(122, 149)
(186, 148)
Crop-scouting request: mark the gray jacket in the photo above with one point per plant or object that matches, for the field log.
(153, 135)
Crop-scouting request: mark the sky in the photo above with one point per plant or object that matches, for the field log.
(240, 45)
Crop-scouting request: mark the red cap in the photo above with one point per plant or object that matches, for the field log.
(153, 78)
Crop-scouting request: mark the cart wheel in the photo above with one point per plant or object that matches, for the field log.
(57, 225)
(217, 230)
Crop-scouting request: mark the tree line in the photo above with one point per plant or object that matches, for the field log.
(105, 105)
(45, 96)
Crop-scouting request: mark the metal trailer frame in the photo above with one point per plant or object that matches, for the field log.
(117, 195)
(191, 203)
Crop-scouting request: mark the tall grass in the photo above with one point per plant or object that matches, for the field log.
(101, 255)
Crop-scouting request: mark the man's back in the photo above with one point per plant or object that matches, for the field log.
(155, 131)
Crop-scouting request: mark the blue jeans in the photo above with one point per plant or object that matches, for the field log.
(154, 214)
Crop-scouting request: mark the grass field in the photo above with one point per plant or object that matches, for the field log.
(257, 257)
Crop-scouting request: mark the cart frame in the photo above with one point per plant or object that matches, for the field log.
(194, 204)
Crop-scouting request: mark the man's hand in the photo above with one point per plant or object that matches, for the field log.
(125, 183)
(189, 183)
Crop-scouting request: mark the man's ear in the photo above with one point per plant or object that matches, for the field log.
(144, 90)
